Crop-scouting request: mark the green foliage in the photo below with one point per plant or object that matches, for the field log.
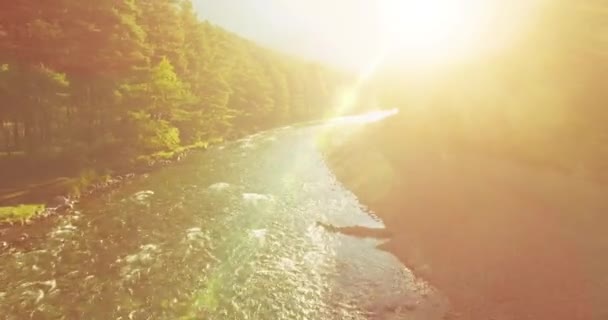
(153, 135)
(107, 81)
(85, 179)
(21, 213)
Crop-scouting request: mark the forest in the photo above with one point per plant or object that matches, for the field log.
(481, 195)
(98, 83)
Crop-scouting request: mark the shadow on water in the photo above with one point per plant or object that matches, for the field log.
(232, 233)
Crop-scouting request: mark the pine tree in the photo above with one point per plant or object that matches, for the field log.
(119, 78)
(162, 23)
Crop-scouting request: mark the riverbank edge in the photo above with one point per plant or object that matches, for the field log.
(75, 190)
(48, 201)
(357, 161)
(410, 257)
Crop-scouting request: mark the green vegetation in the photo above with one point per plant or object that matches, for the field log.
(102, 84)
(21, 213)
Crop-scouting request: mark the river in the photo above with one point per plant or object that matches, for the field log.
(230, 233)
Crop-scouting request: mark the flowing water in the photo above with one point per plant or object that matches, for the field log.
(230, 233)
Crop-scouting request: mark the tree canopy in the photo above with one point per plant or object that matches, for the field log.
(120, 78)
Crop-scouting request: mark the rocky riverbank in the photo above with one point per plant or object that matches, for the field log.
(503, 240)
(60, 197)
(30, 204)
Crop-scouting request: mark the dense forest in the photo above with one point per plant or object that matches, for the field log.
(108, 81)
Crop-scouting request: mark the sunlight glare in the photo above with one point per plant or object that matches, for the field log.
(432, 31)
(369, 117)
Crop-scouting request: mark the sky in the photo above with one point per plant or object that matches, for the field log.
(337, 32)
(353, 34)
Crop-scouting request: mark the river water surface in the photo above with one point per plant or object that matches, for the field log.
(230, 233)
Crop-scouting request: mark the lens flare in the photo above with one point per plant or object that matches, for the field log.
(432, 31)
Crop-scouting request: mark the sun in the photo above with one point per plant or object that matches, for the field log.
(432, 31)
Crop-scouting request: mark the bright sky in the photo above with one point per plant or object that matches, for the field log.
(353, 33)
(316, 29)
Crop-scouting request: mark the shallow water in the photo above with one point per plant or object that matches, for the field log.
(231, 233)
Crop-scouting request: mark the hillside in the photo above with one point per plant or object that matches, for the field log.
(107, 83)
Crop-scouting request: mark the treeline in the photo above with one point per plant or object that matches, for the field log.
(109, 80)
(543, 100)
